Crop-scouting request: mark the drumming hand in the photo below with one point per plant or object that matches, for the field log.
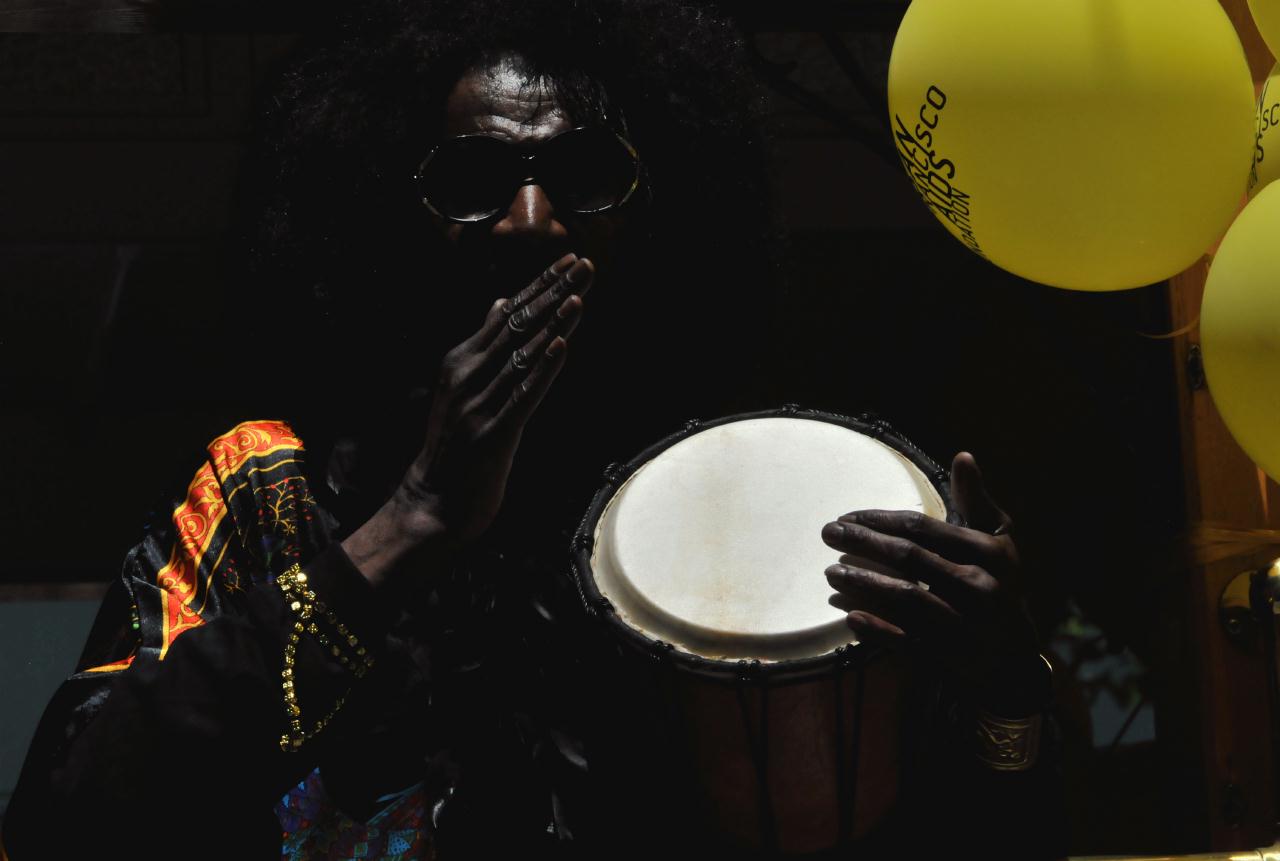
(970, 614)
(487, 390)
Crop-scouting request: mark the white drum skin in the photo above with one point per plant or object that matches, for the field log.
(716, 544)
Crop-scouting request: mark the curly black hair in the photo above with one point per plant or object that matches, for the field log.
(334, 230)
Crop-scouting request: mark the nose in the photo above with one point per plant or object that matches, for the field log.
(530, 217)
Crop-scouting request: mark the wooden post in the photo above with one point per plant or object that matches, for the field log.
(1226, 740)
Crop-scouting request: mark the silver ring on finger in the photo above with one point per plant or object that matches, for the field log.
(517, 320)
(519, 360)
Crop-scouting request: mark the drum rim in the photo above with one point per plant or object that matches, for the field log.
(737, 670)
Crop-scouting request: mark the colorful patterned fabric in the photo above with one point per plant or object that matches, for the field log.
(315, 828)
(247, 515)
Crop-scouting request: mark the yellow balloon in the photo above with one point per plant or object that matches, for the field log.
(1085, 144)
(1266, 153)
(1240, 329)
(1266, 14)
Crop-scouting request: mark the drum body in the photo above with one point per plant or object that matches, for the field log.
(702, 561)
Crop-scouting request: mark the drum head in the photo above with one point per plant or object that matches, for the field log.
(714, 545)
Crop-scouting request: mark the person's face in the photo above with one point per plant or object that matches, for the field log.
(507, 251)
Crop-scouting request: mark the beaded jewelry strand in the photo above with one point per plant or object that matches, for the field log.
(345, 647)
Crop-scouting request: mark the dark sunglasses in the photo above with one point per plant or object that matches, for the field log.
(472, 177)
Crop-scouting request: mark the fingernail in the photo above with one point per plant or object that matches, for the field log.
(833, 530)
(565, 262)
(578, 274)
(574, 303)
(555, 348)
(834, 571)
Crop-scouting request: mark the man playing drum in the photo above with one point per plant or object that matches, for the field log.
(363, 607)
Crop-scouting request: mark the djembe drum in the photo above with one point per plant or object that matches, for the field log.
(702, 560)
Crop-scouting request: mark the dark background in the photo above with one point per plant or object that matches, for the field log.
(118, 157)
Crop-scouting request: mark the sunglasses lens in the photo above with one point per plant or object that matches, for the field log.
(588, 169)
(467, 178)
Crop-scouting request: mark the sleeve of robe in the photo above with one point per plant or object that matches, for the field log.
(166, 740)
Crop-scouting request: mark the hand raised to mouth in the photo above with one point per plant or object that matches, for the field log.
(487, 389)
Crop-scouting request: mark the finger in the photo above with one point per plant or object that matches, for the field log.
(576, 280)
(874, 631)
(522, 359)
(953, 582)
(970, 494)
(543, 281)
(871, 565)
(502, 309)
(907, 605)
(525, 321)
(526, 395)
(563, 322)
(956, 543)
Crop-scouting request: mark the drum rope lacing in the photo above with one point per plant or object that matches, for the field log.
(749, 675)
(846, 782)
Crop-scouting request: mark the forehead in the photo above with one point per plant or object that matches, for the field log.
(500, 99)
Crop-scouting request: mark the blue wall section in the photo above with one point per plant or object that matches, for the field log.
(39, 644)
